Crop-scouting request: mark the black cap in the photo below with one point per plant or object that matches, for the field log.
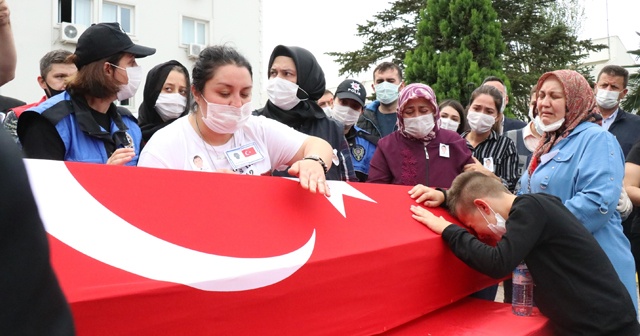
(352, 89)
(103, 40)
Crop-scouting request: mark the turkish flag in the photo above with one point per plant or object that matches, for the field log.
(249, 151)
(368, 265)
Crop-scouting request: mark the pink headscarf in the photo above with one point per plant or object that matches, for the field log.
(413, 91)
(581, 107)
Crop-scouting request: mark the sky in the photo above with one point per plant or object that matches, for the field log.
(331, 25)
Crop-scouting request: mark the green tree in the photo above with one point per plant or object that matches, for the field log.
(539, 36)
(632, 101)
(458, 42)
(388, 36)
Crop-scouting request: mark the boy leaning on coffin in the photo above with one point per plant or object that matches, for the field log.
(577, 288)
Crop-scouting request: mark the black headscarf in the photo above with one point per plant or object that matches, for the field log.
(148, 118)
(310, 79)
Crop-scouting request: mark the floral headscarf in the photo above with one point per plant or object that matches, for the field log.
(413, 91)
(581, 107)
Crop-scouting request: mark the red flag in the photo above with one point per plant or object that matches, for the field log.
(249, 151)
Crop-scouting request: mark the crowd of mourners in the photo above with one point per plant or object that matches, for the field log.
(557, 191)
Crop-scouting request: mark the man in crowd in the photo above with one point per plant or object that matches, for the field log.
(379, 118)
(507, 124)
(54, 70)
(610, 89)
(326, 102)
(347, 108)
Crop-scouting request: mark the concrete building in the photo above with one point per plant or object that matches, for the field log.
(178, 29)
(614, 54)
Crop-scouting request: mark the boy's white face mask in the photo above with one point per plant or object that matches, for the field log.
(500, 228)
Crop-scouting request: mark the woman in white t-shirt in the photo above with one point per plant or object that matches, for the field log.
(221, 135)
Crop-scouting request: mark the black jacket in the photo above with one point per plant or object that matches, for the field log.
(576, 286)
(32, 302)
(626, 128)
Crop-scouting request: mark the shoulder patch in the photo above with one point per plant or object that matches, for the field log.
(358, 152)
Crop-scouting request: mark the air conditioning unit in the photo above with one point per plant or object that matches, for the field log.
(194, 50)
(70, 32)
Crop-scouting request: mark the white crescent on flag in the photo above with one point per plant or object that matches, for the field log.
(73, 216)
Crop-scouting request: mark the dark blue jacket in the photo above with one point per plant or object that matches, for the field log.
(84, 140)
(626, 129)
(362, 148)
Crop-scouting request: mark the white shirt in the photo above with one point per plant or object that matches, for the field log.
(606, 122)
(530, 140)
(179, 146)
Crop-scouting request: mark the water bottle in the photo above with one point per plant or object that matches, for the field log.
(522, 302)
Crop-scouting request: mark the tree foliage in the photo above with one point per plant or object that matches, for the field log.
(458, 42)
(389, 35)
(538, 35)
(632, 101)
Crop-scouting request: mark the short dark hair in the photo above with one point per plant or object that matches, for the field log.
(58, 56)
(212, 58)
(616, 71)
(469, 186)
(496, 79)
(458, 107)
(384, 66)
(329, 92)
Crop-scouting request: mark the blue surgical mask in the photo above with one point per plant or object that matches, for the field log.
(387, 92)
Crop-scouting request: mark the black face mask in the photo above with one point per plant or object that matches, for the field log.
(50, 92)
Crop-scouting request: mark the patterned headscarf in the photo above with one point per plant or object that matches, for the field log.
(581, 107)
(413, 91)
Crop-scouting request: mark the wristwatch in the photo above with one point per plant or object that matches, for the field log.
(317, 159)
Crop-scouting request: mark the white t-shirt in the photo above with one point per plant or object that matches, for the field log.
(179, 146)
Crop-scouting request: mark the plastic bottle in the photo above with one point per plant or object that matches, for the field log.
(522, 302)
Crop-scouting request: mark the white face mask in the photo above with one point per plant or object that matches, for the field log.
(283, 93)
(480, 122)
(448, 124)
(129, 90)
(327, 110)
(420, 126)
(226, 119)
(387, 92)
(551, 127)
(345, 115)
(500, 228)
(607, 99)
(537, 123)
(170, 105)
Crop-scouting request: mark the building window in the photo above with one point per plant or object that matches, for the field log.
(75, 11)
(113, 12)
(128, 103)
(194, 31)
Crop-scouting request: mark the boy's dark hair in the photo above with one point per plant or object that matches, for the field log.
(469, 186)
(615, 70)
(384, 66)
(329, 92)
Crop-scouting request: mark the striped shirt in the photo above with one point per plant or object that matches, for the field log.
(501, 152)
